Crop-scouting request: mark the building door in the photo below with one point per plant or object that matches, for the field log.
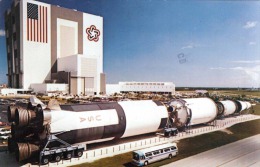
(73, 86)
(89, 85)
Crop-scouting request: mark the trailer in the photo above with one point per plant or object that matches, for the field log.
(56, 154)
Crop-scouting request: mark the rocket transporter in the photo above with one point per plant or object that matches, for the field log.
(47, 132)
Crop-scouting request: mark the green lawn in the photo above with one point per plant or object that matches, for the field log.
(246, 93)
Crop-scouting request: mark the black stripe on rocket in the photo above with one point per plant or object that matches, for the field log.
(238, 106)
(163, 120)
(95, 133)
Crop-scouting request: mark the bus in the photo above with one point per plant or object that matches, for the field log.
(149, 155)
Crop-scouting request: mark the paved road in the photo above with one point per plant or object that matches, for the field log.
(242, 153)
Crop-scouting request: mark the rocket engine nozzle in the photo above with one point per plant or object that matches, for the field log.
(26, 150)
(11, 113)
(24, 117)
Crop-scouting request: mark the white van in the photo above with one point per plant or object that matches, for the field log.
(149, 155)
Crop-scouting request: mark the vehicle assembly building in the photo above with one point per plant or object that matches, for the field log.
(48, 45)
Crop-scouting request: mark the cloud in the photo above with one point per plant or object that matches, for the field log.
(218, 68)
(252, 43)
(247, 61)
(190, 46)
(223, 68)
(2, 32)
(252, 72)
(250, 24)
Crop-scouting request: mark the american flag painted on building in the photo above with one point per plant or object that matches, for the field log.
(37, 23)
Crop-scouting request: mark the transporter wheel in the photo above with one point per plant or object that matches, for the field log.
(45, 160)
(79, 153)
(57, 158)
(68, 155)
(145, 163)
(170, 156)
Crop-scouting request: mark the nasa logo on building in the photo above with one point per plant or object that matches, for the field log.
(93, 33)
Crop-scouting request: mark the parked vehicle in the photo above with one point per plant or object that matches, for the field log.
(4, 131)
(3, 123)
(4, 137)
(149, 155)
(5, 128)
(168, 132)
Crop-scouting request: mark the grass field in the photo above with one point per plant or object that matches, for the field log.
(191, 146)
(245, 93)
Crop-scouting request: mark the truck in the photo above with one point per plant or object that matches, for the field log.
(168, 132)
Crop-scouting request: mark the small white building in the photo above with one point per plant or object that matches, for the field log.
(50, 88)
(12, 91)
(112, 88)
(141, 87)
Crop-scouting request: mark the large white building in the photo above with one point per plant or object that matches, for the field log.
(141, 87)
(47, 44)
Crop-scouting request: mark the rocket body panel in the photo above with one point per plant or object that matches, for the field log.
(109, 131)
(249, 105)
(238, 106)
(108, 120)
(229, 107)
(193, 111)
(143, 117)
(66, 120)
(203, 110)
(80, 107)
(243, 104)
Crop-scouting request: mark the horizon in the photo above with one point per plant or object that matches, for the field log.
(189, 43)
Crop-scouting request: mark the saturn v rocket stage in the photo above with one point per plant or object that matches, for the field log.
(77, 123)
(97, 122)
(194, 111)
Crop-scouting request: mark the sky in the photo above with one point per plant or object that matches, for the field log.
(189, 43)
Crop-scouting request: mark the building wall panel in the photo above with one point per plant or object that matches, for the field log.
(67, 41)
(36, 55)
(73, 86)
(88, 67)
(66, 14)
